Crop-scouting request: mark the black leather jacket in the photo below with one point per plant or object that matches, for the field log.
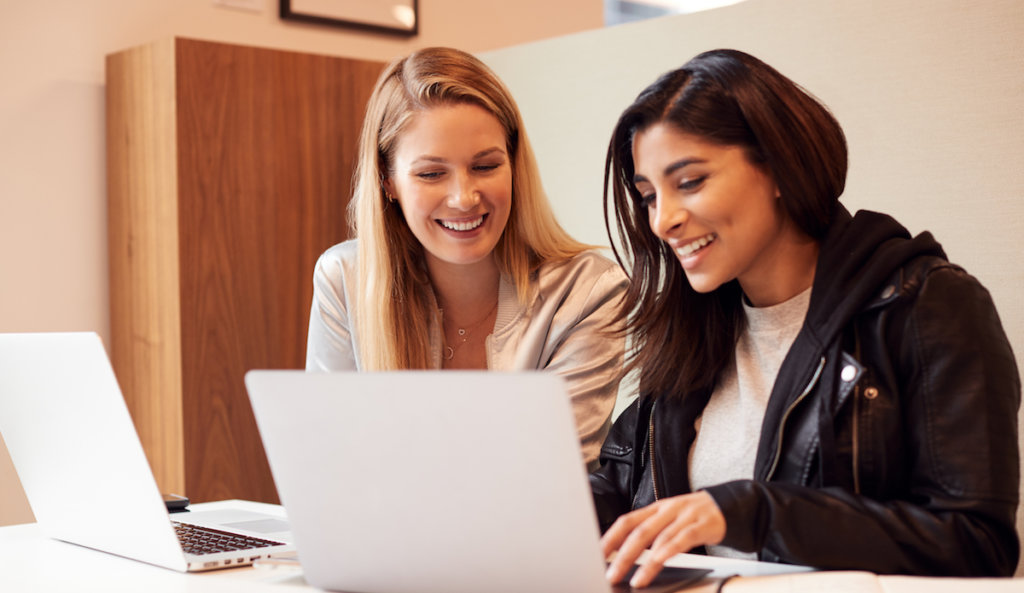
(890, 439)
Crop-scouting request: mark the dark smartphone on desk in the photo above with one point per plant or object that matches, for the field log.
(176, 503)
(671, 578)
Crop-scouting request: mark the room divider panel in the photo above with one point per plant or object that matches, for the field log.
(228, 171)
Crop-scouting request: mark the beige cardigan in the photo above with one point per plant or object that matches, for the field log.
(560, 330)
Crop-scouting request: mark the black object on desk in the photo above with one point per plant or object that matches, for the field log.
(176, 503)
(671, 578)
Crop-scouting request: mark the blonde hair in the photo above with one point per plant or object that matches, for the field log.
(394, 306)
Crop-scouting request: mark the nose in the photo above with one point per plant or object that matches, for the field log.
(667, 217)
(463, 195)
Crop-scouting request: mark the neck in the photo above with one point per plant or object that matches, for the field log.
(465, 292)
(791, 274)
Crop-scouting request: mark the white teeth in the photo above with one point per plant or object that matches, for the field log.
(689, 248)
(462, 226)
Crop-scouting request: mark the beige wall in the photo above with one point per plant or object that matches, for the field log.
(928, 91)
(53, 249)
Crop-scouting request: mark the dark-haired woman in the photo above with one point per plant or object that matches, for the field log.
(818, 388)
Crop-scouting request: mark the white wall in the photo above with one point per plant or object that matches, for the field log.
(929, 93)
(53, 245)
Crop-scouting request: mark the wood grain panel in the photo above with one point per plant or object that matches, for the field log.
(229, 172)
(143, 247)
(266, 142)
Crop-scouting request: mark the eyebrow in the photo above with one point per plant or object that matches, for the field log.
(488, 151)
(481, 154)
(672, 168)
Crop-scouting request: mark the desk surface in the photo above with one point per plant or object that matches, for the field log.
(33, 562)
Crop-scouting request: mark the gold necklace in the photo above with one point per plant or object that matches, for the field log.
(463, 333)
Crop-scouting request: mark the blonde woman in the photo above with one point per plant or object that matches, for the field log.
(458, 261)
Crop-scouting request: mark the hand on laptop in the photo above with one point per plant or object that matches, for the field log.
(668, 527)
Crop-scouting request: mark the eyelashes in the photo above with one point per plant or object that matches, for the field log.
(433, 175)
(685, 186)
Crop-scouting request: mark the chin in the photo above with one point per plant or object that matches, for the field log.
(466, 259)
(703, 285)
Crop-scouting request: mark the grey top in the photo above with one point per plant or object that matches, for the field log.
(559, 329)
(726, 442)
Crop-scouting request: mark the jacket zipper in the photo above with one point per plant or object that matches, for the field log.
(856, 452)
(650, 446)
(856, 417)
(650, 450)
(785, 416)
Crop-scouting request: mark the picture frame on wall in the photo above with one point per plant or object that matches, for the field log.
(394, 17)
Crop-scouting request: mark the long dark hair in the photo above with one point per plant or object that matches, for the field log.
(683, 339)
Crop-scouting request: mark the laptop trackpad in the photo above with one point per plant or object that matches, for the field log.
(260, 525)
(249, 523)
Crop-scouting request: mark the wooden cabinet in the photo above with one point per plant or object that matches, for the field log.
(228, 172)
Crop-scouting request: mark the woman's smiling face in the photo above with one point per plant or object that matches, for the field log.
(717, 210)
(452, 177)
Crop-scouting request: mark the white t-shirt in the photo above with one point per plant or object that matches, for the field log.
(728, 430)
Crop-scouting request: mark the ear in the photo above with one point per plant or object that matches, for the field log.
(389, 190)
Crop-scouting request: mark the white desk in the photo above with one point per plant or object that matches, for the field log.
(31, 562)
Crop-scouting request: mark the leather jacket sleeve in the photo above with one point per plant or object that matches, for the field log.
(953, 510)
(613, 483)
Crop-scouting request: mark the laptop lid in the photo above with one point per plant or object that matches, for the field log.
(75, 448)
(77, 454)
(431, 482)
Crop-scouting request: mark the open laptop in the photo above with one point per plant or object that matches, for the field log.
(83, 469)
(433, 482)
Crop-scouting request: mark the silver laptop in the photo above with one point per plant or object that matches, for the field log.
(86, 477)
(432, 482)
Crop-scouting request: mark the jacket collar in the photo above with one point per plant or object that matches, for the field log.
(858, 256)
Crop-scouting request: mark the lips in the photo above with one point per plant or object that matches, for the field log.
(697, 244)
(462, 225)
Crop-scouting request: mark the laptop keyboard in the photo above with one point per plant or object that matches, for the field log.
(204, 540)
